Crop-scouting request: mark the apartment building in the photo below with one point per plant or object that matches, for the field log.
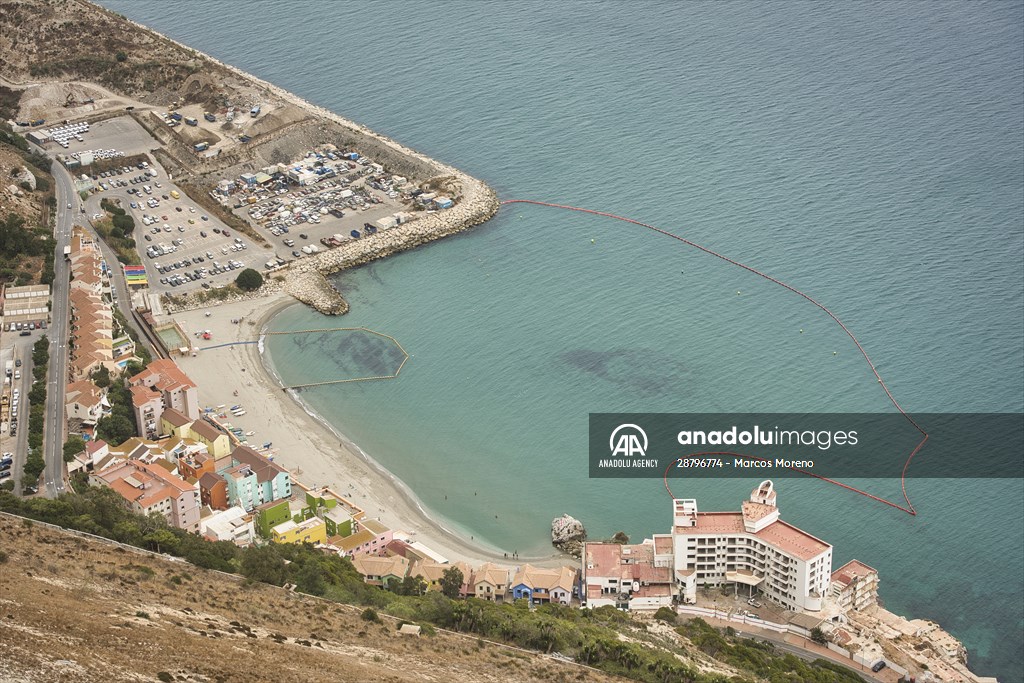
(752, 548)
(855, 586)
(151, 488)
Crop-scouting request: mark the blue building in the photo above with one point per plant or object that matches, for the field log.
(254, 480)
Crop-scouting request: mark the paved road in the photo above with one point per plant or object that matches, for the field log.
(56, 379)
(777, 639)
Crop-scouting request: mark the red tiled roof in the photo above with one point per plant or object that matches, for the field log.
(854, 569)
(165, 375)
(174, 417)
(264, 469)
(141, 395)
(784, 536)
(756, 511)
(205, 430)
(210, 480)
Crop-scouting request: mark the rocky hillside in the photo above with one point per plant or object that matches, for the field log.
(70, 40)
(77, 610)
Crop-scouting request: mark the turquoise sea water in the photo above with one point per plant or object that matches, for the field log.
(869, 153)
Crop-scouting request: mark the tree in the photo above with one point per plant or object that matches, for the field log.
(818, 636)
(162, 540)
(101, 377)
(310, 579)
(125, 224)
(410, 585)
(132, 368)
(121, 57)
(73, 446)
(249, 280)
(262, 563)
(666, 614)
(451, 582)
(115, 429)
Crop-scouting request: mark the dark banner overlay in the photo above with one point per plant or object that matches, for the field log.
(833, 445)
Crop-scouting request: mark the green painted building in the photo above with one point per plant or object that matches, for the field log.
(270, 515)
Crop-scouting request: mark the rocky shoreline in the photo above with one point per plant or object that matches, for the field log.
(307, 280)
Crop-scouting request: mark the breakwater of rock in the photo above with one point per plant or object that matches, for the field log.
(307, 280)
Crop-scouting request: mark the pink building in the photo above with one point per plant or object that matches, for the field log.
(149, 406)
(371, 539)
(151, 488)
(175, 388)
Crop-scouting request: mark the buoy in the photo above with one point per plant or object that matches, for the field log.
(737, 292)
(801, 330)
(834, 353)
(591, 241)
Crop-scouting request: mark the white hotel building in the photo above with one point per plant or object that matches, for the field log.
(752, 547)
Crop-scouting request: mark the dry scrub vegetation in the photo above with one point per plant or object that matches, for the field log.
(73, 609)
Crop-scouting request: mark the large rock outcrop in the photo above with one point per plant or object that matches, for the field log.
(568, 535)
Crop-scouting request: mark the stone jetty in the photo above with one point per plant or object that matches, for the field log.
(307, 280)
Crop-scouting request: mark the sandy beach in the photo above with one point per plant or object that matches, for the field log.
(309, 449)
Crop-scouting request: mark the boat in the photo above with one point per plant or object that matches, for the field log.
(238, 413)
(354, 233)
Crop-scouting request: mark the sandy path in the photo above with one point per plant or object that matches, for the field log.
(310, 450)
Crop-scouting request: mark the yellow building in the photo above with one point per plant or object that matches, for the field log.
(174, 423)
(217, 442)
(313, 530)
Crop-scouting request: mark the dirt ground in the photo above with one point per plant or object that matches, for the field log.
(73, 609)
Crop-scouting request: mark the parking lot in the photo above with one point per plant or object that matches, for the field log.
(161, 219)
(184, 249)
(181, 246)
(121, 133)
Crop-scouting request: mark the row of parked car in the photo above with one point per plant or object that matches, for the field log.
(197, 273)
(26, 327)
(16, 397)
